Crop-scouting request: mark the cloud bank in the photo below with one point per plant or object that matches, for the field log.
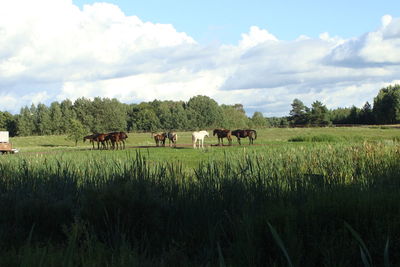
(51, 50)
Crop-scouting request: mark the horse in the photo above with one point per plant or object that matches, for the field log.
(116, 138)
(101, 138)
(172, 137)
(251, 134)
(221, 134)
(90, 138)
(199, 136)
(159, 138)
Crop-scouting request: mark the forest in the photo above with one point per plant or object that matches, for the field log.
(104, 114)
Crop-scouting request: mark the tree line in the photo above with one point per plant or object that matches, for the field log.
(385, 110)
(104, 115)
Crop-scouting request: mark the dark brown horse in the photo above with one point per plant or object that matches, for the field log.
(101, 138)
(91, 138)
(221, 134)
(159, 138)
(116, 138)
(251, 134)
(172, 137)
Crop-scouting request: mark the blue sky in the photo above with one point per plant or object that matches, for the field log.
(262, 54)
(224, 21)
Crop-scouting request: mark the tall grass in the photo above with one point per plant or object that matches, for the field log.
(99, 210)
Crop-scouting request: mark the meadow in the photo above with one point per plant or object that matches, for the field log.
(300, 197)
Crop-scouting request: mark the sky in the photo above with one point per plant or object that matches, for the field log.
(262, 54)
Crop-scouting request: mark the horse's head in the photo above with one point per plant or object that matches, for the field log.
(215, 131)
(87, 137)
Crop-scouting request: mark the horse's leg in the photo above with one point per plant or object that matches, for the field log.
(239, 141)
(194, 142)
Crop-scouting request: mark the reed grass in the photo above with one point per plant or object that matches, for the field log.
(128, 209)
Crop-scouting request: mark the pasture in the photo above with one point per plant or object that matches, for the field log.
(148, 206)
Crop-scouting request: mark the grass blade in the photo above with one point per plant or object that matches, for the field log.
(279, 241)
(220, 256)
(386, 254)
(365, 256)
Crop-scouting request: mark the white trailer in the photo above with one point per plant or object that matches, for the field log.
(5, 145)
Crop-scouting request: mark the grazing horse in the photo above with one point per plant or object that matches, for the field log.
(221, 134)
(159, 138)
(172, 137)
(199, 136)
(101, 138)
(116, 138)
(91, 138)
(251, 134)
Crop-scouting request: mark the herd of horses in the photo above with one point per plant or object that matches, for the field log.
(116, 140)
(112, 140)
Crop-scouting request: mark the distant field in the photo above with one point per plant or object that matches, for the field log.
(265, 136)
(276, 139)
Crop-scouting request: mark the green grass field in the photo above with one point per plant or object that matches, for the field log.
(213, 207)
(268, 139)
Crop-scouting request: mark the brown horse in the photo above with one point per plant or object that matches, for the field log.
(90, 138)
(101, 138)
(159, 138)
(172, 137)
(116, 138)
(221, 134)
(251, 134)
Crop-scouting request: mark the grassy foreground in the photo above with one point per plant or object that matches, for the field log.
(185, 207)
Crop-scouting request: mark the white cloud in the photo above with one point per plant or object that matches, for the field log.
(51, 50)
(256, 36)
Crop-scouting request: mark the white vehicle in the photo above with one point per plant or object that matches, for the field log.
(5, 145)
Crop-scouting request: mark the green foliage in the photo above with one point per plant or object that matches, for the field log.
(204, 112)
(258, 120)
(319, 114)
(200, 112)
(315, 138)
(56, 117)
(25, 122)
(234, 117)
(298, 113)
(42, 120)
(8, 123)
(76, 131)
(387, 105)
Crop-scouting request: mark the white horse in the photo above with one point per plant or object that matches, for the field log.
(199, 136)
